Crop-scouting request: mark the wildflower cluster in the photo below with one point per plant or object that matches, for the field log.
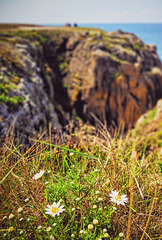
(85, 212)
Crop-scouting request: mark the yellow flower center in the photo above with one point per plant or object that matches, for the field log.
(117, 197)
(55, 209)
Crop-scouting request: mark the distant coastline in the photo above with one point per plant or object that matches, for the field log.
(150, 33)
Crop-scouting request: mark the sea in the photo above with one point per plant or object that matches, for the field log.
(149, 33)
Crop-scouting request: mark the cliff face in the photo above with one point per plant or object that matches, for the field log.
(117, 78)
(53, 75)
(25, 106)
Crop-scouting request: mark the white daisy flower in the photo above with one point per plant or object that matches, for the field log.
(54, 209)
(77, 199)
(51, 237)
(97, 192)
(38, 175)
(121, 234)
(100, 199)
(49, 229)
(116, 198)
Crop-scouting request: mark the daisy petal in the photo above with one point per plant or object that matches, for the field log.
(116, 198)
(54, 209)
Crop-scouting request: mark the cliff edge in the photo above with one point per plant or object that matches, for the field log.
(57, 74)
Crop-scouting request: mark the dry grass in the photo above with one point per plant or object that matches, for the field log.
(124, 166)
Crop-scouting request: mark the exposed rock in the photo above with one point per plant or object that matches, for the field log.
(60, 74)
(33, 114)
(72, 42)
(117, 83)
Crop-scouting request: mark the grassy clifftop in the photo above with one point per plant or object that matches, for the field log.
(63, 74)
(82, 174)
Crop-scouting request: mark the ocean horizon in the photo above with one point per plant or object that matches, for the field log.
(149, 33)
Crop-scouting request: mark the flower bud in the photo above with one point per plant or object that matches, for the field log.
(20, 210)
(10, 229)
(95, 221)
(106, 235)
(11, 216)
(90, 226)
(26, 200)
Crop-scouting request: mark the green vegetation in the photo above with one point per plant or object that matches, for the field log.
(137, 47)
(80, 180)
(117, 74)
(80, 173)
(152, 113)
(11, 100)
(116, 59)
(150, 116)
(65, 85)
(150, 134)
(5, 88)
(60, 58)
(41, 37)
(64, 65)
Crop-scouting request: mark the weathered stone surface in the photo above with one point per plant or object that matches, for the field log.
(117, 79)
(63, 74)
(34, 113)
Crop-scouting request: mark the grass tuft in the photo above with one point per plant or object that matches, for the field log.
(80, 176)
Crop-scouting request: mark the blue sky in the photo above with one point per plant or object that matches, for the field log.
(80, 11)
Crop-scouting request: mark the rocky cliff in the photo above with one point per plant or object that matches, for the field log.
(56, 74)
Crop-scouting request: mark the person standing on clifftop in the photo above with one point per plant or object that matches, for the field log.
(67, 25)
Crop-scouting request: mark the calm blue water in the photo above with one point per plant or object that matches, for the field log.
(150, 33)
